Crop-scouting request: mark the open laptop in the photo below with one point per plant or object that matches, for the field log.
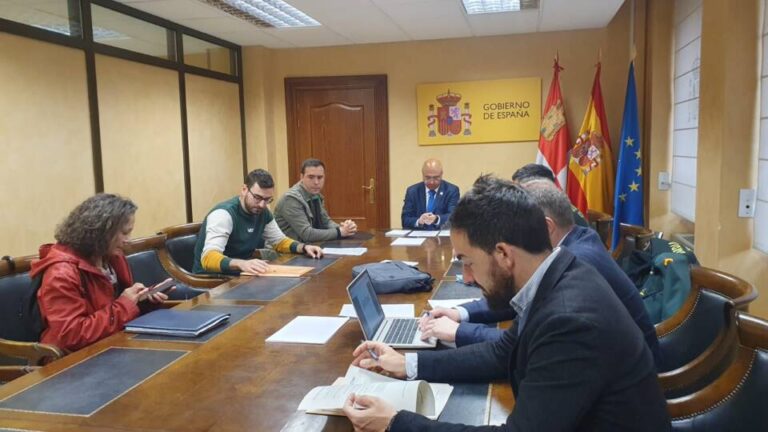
(395, 332)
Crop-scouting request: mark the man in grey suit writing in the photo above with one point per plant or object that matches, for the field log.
(574, 358)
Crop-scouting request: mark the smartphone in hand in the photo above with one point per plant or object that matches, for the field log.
(158, 288)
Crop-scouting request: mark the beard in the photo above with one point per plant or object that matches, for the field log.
(502, 290)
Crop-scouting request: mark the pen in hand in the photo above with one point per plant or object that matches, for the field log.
(372, 353)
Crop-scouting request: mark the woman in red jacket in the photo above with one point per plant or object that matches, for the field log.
(87, 290)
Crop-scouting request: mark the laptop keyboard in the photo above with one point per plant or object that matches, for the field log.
(401, 331)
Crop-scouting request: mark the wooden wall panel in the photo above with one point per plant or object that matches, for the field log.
(141, 141)
(215, 149)
(45, 140)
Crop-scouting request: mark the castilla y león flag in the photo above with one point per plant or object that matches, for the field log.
(590, 168)
(553, 141)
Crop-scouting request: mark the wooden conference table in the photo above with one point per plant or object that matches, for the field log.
(236, 381)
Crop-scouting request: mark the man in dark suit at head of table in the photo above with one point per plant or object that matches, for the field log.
(574, 357)
(428, 204)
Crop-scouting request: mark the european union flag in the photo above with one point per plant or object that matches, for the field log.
(628, 200)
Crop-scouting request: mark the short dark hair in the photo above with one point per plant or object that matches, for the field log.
(553, 201)
(311, 163)
(261, 177)
(496, 210)
(91, 226)
(532, 171)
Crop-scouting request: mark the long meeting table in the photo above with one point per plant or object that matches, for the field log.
(232, 380)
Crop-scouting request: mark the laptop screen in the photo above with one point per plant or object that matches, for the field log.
(366, 304)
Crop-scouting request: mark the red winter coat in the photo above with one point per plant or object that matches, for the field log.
(77, 314)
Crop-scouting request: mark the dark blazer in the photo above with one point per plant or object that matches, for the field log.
(586, 245)
(580, 363)
(415, 204)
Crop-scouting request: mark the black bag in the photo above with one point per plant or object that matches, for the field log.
(28, 313)
(395, 277)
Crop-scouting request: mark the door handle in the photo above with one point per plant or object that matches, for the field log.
(371, 188)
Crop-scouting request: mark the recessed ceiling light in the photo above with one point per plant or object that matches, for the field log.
(474, 7)
(265, 13)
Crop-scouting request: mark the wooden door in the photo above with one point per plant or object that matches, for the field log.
(343, 122)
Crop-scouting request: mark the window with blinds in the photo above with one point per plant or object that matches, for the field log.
(686, 107)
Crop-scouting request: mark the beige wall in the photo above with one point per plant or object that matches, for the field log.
(412, 63)
(140, 120)
(728, 137)
(45, 141)
(728, 122)
(215, 147)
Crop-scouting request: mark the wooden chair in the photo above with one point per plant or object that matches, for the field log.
(603, 224)
(151, 263)
(701, 321)
(632, 237)
(20, 352)
(178, 254)
(735, 400)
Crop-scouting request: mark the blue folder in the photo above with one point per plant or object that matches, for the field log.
(171, 322)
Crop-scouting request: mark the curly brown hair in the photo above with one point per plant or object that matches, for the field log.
(91, 226)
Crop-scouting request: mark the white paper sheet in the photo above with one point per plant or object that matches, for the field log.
(445, 233)
(390, 311)
(397, 233)
(408, 263)
(308, 330)
(407, 241)
(423, 234)
(450, 303)
(345, 251)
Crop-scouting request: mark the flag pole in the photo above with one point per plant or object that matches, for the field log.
(632, 50)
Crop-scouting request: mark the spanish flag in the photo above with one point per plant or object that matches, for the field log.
(590, 168)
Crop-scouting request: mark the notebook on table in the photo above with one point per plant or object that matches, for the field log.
(181, 323)
(395, 332)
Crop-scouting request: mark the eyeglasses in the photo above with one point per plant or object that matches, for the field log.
(433, 178)
(259, 199)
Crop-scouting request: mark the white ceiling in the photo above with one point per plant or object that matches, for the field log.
(348, 22)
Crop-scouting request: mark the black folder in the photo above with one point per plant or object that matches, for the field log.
(171, 322)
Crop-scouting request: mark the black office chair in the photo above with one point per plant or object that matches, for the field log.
(735, 401)
(147, 268)
(702, 318)
(180, 244)
(20, 350)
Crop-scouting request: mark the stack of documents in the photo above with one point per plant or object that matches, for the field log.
(172, 322)
(450, 303)
(397, 233)
(390, 311)
(407, 241)
(355, 251)
(308, 329)
(423, 234)
(420, 397)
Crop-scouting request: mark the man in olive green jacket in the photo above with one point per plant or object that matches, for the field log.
(301, 212)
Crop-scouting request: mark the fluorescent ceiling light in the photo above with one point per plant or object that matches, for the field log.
(265, 13)
(474, 7)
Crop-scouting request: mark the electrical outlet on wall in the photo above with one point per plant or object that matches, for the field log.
(747, 203)
(664, 180)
